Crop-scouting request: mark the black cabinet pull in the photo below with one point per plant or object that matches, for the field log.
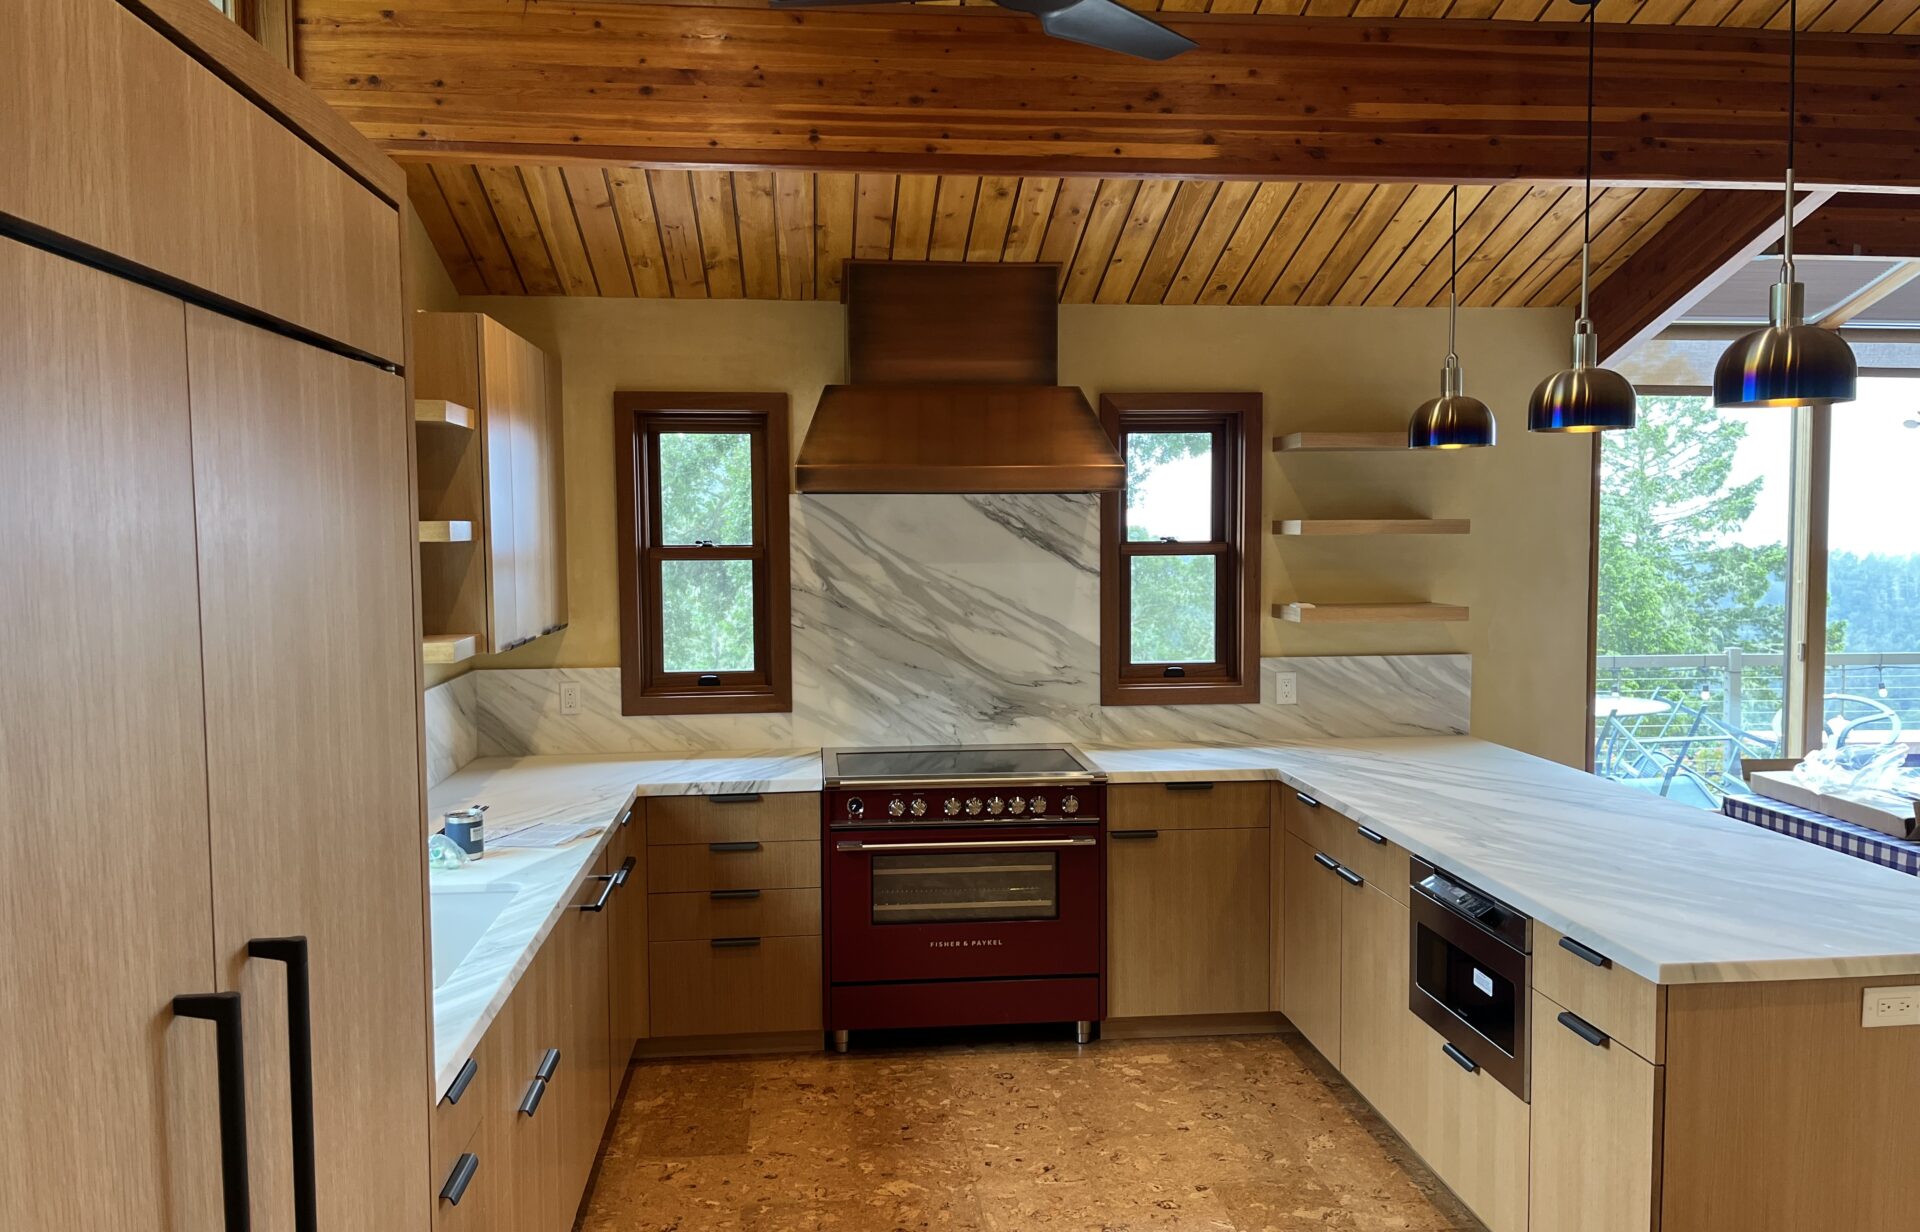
(1326, 861)
(293, 952)
(733, 894)
(1585, 953)
(734, 943)
(1306, 799)
(626, 871)
(463, 1080)
(1133, 834)
(1584, 1029)
(530, 1102)
(1189, 786)
(626, 814)
(1372, 836)
(549, 1065)
(736, 797)
(612, 883)
(1349, 876)
(1460, 1058)
(461, 1177)
(222, 1009)
(725, 847)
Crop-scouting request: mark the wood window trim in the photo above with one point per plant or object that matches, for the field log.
(1235, 677)
(638, 418)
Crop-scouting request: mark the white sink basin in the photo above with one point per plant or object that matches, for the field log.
(460, 918)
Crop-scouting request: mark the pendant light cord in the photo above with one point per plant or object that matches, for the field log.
(1453, 275)
(1793, 108)
(1586, 199)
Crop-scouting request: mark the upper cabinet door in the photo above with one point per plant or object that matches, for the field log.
(306, 584)
(109, 1100)
(517, 397)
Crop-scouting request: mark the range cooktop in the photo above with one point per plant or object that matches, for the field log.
(957, 763)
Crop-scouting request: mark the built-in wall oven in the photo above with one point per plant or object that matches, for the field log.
(964, 886)
(1469, 973)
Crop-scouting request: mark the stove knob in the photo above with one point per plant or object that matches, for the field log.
(973, 806)
(856, 807)
(1038, 804)
(896, 807)
(919, 807)
(1070, 806)
(952, 807)
(1017, 806)
(996, 806)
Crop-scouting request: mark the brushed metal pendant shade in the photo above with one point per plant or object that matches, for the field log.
(1456, 419)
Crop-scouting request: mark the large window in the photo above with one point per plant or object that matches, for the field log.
(1180, 560)
(704, 625)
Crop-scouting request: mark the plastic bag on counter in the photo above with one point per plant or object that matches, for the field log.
(443, 852)
(1852, 768)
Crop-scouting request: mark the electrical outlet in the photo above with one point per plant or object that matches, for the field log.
(1891, 1007)
(1286, 688)
(569, 699)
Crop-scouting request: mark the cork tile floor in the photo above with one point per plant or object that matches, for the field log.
(1244, 1134)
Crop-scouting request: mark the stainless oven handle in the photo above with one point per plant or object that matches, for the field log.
(1011, 844)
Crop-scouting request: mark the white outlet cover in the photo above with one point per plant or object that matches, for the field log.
(1286, 688)
(1890, 1007)
(569, 699)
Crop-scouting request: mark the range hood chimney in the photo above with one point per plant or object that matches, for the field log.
(953, 388)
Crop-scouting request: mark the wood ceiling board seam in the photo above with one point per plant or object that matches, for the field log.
(834, 204)
(915, 199)
(639, 222)
(1105, 220)
(1302, 212)
(1421, 251)
(953, 217)
(1887, 17)
(467, 200)
(1072, 205)
(600, 229)
(673, 210)
(1027, 232)
(1148, 215)
(716, 222)
(442, 230)
(758, 232)
(1646, 205)
(1564, 254)
(507, 196)
(1478, 263)
(1224, 215)
(794, 225)
(1178, 233)
(1248, 241)
(992, 217)
(1430, 288)
(566, 242)
(1382, 207)
(1335, 221)
(1394, 243)
(875, 204)
(1514, 258)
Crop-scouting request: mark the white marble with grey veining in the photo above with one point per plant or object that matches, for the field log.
(589, 790)
(453, 730)
(1677, 894)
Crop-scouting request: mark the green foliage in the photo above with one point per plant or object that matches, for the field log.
(706, 493)
(1873, 602)
(1173, 596)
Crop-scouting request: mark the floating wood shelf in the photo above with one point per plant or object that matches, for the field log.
(449, 647)
(1341, 442)
(1372, 526)
(441, 412)
(446, 532)
(1354, 613)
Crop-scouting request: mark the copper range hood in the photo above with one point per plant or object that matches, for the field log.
(953, 388)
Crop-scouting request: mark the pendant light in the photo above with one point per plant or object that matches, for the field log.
(1456, 419)
(1585, 397)
(1787, 363)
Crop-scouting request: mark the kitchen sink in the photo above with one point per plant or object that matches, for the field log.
(460, 918)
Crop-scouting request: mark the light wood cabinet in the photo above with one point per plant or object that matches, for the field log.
(1188, 806)
(507, 584)
(1315, 902)
(628, 926)
(1473, 1133)
(1596, 1128)
(736, 986)
(1380, 1036)
(1630, 1009)
(1187, 921)
(581, 1086)
(1277, 908)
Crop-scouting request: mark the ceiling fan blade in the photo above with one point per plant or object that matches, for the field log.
(1112, 26)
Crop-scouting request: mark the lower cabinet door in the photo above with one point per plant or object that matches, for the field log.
(627, 946)
(1473, 1133)
(1315, 900)
(1596, 1128)
(528, 1135)
(1380, 1037)
(577, 963)
(1187, 922)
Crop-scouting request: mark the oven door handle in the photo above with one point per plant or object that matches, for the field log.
(1010, 844)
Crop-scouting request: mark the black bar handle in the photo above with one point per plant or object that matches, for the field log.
(736, 797)
(733, 894)
(463, 1080)
(1306, 799)
(549, 1065)
(1133, 834)
(461, 1177)
(1585, 953)
(306, 1187)
(1189, 786)
(1460, 1058)
(1349, 876)
(724, 847)
(734, 943)
(1584, 1029)
(1326, 861)
(1372, 836)
(222, 1009)
(612, 881)
(530, 1102)
(626, 870)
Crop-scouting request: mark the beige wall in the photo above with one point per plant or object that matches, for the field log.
(1523, 571)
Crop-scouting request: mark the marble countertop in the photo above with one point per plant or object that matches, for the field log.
(543, 883)
(1677, 894)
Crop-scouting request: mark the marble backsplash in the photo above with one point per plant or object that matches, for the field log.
(950, 619)
(453, 726)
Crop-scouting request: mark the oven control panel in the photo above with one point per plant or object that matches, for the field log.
(968, 804)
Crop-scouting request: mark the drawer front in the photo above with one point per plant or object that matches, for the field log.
(701, 916)
(732, 819)
(1596, 1129)
(700, 988)
(132, 147)
(1474, 1134)
(1586, 981)
(1198, 805)
(465, 1176)
(1383, 863)
(752, 865)
(455, 1120)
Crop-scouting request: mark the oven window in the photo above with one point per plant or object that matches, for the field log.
(1482, 998)
(985, 887)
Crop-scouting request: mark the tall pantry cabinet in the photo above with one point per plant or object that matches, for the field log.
(211, 876)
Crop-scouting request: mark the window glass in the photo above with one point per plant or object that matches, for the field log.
(1170, 486)
(1173, 618)
(706, 488)
(706, 615)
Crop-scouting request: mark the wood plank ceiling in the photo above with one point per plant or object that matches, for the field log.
(1856, 16)
(619, 231)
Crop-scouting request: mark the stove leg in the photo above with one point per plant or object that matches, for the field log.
(840, 1041)
(1082, 1032)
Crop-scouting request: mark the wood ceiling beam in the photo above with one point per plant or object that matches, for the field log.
(964, 91)
(1715, 235)
(1863, 225)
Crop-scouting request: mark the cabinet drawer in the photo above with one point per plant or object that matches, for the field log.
(456, 1119)
(1630, 1009)
(1382, 862)
(732, 819)
(1474, 1134)
(1596, 1129)
(700, 988)
(468, 1185)
(1198, 805)
(751, 865)
(704, 915)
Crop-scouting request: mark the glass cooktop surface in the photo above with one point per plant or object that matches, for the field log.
(1009, 761)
